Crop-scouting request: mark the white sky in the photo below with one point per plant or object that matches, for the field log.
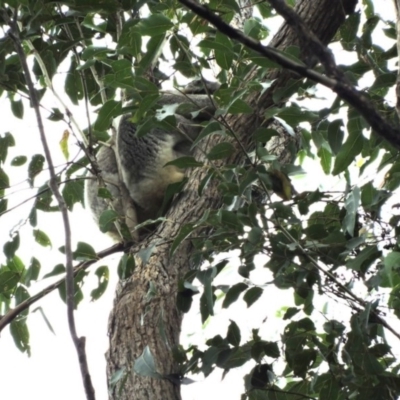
(53, 372)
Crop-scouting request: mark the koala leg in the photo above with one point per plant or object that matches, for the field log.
(121, 201)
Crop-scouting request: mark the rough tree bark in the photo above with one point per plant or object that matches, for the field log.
(136, 318)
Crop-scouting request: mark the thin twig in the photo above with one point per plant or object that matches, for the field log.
(21, 307)
(40, 192)
(78, 342)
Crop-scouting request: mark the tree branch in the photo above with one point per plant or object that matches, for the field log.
(346, 91)
(21, 307)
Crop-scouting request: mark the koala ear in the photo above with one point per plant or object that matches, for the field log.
(201, 86)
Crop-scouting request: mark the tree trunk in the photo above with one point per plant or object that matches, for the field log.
(145, 312)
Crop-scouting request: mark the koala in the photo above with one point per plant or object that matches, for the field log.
(133, 168)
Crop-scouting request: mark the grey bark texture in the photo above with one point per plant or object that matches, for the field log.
(136, 319)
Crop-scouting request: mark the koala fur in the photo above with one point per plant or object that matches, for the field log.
(133, 168)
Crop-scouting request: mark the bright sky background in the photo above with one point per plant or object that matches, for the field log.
(52, 372)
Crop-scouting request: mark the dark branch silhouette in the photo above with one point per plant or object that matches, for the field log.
(340, 86)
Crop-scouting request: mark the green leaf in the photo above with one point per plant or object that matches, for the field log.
(330, 390)
(394, 300)
(11, 246)
(293, 115)
(73, 192)
(263, 135)
(392, 264)
(271, 349)
(224, 58)
(252, 295)
(126, 266)
(98, 52)
(364, 259)
(104, 193)
(107, 219)
(154, 25)
(261, 377)
(185, 162)
(213, 45)
(102, 274)
(290, 312)
(17, 108)
(379, 350)
(20, 295)
(207, 299)
(233, 335)
(122, 76)
(212, 127)
(73, 83)
(135, 41)
(3, 205)
(32, 273)
(145, 365)
(4, 181)
(5, 142)
(83, 252)
(302, 360)
(18, 161)
(221, 150)
(41, 238)
(57, 270)
(348, 30)
(35, 167)
(15, 264)
(8, 281)
(56, 115)
(239, 107)
(107, 112)
(153, 49)
(20, 333)
(184, 298)
(348, 152)
(326, 159)
(230, 220)
(382, 83)
(372, 365)
(335, 135)
(233, 294)
(334, 328)
(88, 22)
(233, 358)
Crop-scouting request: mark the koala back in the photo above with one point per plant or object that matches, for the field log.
(134, 167)
(143, 161)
